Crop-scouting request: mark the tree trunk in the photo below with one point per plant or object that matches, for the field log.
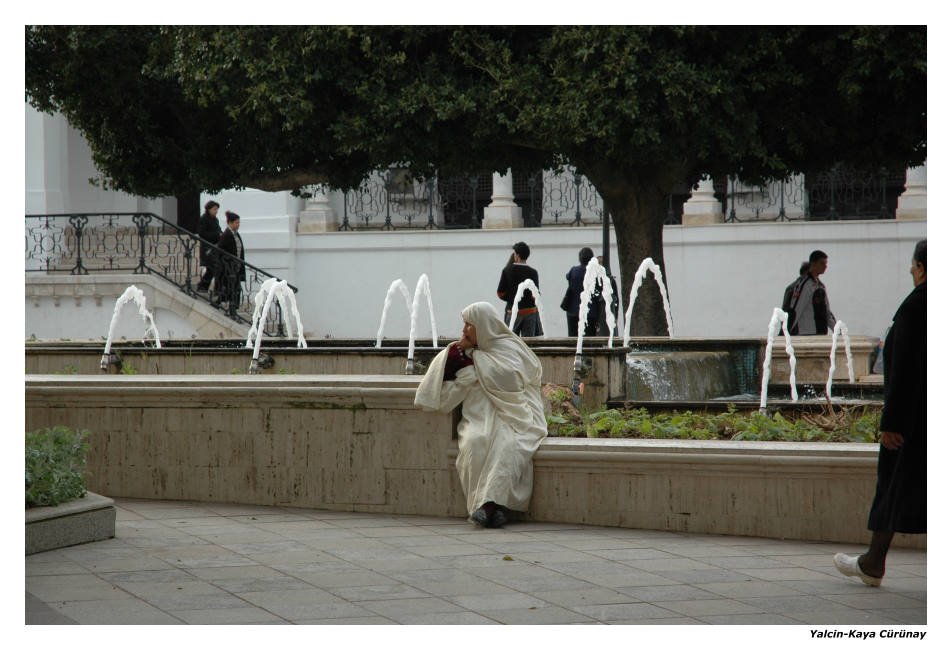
(189, 208)
(638, 211)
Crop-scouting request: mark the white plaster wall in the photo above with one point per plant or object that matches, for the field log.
(87, 320)
(723, 280)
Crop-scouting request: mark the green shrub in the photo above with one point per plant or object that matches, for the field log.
(836, 425)
(55, 466)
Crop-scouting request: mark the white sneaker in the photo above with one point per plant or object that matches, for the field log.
(848, 565)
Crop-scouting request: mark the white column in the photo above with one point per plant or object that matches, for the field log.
(702, 208)
(318, 215)
(503, 211)
(912, 202)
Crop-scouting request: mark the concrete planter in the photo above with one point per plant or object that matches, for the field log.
(89, 519)
(357, 443)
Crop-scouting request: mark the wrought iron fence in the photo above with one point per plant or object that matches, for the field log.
(138, 243)
(388, 200)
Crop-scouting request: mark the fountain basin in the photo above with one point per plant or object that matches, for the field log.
(357, 443)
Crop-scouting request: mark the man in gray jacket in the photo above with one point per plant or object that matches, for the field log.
(811, 305)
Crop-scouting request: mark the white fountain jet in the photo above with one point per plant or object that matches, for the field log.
(841, 329)
(593, 273)
(778, 321)
(422, 287)
(530, 286)
(647, 264)
(270, 289)
(131, 294)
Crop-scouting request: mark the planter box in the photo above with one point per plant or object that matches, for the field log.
(357, 443)
(89, 519)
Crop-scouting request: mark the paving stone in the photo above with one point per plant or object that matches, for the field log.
(381, 552)
(536, 616)
(628, 611)
(356, 578)
(636, 554)
(472, 587)
(164, 590)
(451, 618)
(303, 604)
(674, 564)
(876, 600)
(269, 583)
(748, 562)
(144, 563)
(377, 592)
(749, 619)
(788, 604)
(908, 616)
(443, 550)
(74, 587)
(363, 620)
(496, 601)
(684, 620)
(39, 613)
(129, 611)
(187, 602)
(662, 593)
(782, 574)
(590, 596)
(748, 589)
(54, 568)
(843, 617)
(410, 607)
(713, 607)
(246, 615)
(385, 565)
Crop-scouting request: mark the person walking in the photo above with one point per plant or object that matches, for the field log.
(809, 303)
(571, 303)
(498, 380)
(210, 231)
(899, 504)
(231, 270)
(596, 307)
(527, 315)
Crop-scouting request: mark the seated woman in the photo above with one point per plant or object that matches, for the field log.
(498, 379)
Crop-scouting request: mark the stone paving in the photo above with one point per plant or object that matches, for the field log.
(204, 563)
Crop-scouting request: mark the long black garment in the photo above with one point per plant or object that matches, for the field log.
(900, 501)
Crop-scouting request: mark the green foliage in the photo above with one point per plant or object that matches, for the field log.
(68, 369)
(55, 466)
(126, 369)
(861, 426)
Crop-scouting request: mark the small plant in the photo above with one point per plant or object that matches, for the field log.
(285, 371)
(69, 369)
(55, 466)
(235, 371)
(126, 369)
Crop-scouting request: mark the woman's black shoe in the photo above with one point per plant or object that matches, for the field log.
(480, 517)
(498, 519)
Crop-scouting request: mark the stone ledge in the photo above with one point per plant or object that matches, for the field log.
(89, 519)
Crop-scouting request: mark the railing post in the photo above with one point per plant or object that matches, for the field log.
(783, 213)
(79, 223)
(189, 245)
(141, 221)
(732, 216)
(474, 183)
(577, 179)
(833, 176)
(883, 210)
(531, 222)
(346, 223)
(387, 184)
(430, 223)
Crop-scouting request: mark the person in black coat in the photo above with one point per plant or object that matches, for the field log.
(210, 231)
(573, 295)
(899, 504)
(231, 271)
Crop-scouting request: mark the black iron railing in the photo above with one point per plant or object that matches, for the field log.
(142, 242)
(390, 200)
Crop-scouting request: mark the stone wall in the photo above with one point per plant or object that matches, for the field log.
(357, 443)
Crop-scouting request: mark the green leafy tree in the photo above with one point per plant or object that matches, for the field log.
(636, 109)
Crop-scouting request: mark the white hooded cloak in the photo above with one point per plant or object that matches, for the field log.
(503, 417)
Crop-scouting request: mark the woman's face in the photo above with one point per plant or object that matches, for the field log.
(213, 210)
(469, 332)
(918, 273)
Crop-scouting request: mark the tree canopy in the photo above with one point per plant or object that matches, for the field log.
(636, 109)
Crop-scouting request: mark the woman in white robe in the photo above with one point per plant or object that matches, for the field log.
(503, 417)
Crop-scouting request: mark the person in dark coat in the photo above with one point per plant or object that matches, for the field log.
(899, 504)
(573, 295)
(513, 274)
(231, 271)
(210, 231)
(597, 325)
